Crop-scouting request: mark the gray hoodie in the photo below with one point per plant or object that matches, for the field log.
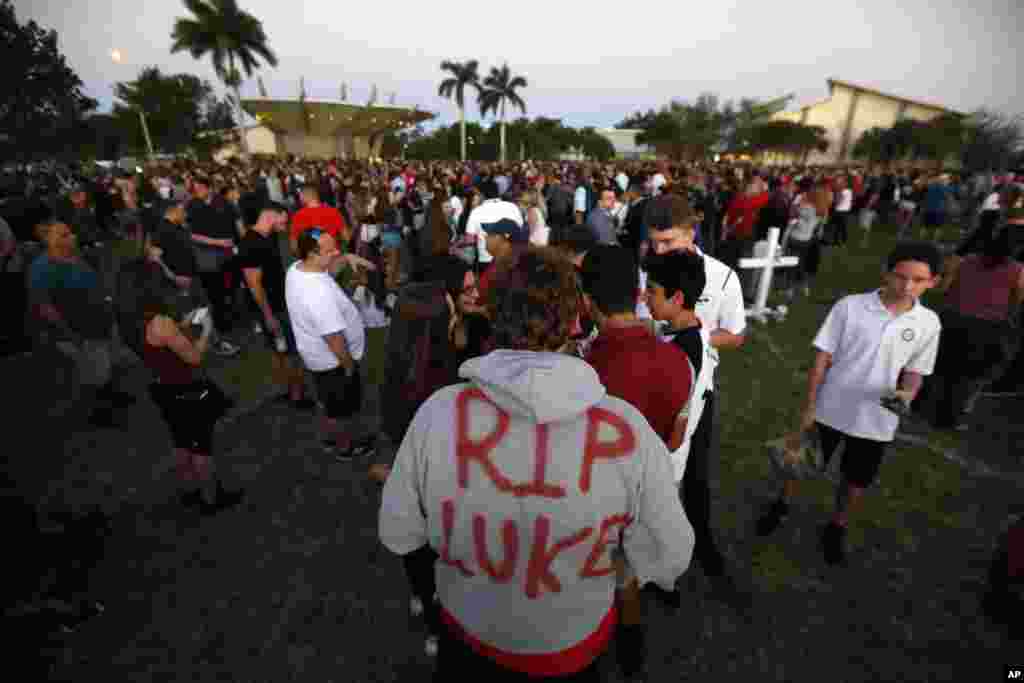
(524, 480)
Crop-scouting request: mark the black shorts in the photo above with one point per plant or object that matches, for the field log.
(191, 429)
(341, 395)
(861, 457)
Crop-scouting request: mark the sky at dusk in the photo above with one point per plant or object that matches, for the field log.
(589, 64)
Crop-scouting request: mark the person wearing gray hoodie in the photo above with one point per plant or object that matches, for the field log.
(523, 479)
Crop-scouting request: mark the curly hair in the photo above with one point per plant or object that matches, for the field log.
(533, 304)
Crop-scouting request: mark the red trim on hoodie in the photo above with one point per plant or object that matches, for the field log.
(563, 663)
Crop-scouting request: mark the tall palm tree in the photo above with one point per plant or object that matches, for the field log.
(462, 74)
(231, 36)
(500, 88)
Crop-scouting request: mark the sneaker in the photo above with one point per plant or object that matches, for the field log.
(193, 498)
(356, 450)
(415, 606)
(224, 501)
(430, 646)
(1002, 390)
(225, 348)
(833, 539)
(772, 518)
(725, 590)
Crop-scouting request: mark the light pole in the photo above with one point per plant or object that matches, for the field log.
(115, 56)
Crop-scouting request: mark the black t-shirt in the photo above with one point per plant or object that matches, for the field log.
(251, 203)
(257, 251)
(176, 242)
(214, 220)
(478, 334)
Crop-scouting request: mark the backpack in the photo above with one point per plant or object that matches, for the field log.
(420, 357)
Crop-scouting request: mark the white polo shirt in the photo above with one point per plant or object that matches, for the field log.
(490, 211)
(870, 347)
(720, 306)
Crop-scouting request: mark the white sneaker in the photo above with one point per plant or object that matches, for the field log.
(430, 646)
(416, 607)
(225, 348)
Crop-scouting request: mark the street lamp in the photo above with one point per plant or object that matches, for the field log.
(116, 57)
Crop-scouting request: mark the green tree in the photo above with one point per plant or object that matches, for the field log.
(993, 141)
(42, 106)
(462, 74)
(687, 131)
(787, 137)
(233, 38)
(637, 120)
(594, 145)
(499, 89)
(173, 104)
(740, 120)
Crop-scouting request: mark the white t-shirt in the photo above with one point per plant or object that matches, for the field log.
(845, 201)
(870, 347)
(622, 180)
(317, 307)
(579, 200)
(456, 208)
(720, 306)
(657, 182)
(490, 211)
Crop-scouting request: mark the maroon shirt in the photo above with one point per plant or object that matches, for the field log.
(652, 375)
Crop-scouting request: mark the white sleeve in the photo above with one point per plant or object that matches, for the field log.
(580, 200)
(325, 314)
(473, 223)
(923, 360)
(830, 335)
(402, 524)
(732, 316)
(659, 541)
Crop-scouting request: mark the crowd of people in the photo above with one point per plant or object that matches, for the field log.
(574, 311)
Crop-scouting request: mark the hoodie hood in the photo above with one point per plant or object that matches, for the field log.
(541, 386)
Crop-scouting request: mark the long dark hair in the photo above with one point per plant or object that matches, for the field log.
(996, 249)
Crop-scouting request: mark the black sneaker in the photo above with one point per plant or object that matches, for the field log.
(193, 498)
(833, 539)
(772, 518)
(225, 500)
(725, 590)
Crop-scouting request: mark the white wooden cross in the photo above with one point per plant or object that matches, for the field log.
(767, 263)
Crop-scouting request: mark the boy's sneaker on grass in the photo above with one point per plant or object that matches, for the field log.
(772, 518)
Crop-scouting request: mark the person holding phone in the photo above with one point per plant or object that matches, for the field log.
(872, 348)
(174, 354)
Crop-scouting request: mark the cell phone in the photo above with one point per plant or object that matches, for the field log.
(200, 315)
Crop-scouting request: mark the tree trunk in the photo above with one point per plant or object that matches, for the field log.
(503, 131)
(243, 144)
(462, 132)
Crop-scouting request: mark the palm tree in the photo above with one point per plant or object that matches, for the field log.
(499, 89)
(462, 74)
(231, 36)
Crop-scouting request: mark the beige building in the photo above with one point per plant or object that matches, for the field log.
(318, 128)
(850, 110)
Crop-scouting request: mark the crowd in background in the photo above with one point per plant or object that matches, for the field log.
(433, 250)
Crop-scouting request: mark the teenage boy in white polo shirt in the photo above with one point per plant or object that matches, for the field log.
(670, 223)
(871, 346)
